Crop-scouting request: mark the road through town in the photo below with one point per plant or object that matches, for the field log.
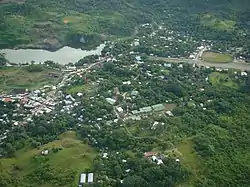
(232, 65)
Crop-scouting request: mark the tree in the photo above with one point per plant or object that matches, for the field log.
(135, 181)
(10, 149)
(3, 60)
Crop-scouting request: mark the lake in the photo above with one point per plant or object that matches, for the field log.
(62, 56)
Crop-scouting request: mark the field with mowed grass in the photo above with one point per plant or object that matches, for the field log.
(67, 158)
(19, 77)
(215, 57)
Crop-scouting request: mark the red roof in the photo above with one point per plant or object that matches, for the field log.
(7, 100)
(147, 154)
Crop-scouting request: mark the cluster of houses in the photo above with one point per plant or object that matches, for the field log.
(36, 102)
(157, 158)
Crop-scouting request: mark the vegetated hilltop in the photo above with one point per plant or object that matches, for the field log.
(52, 24)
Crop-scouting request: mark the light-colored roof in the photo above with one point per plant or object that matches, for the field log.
(91, 177)
(83, 178)
(110, 101)
(158, 107)
(146, 109)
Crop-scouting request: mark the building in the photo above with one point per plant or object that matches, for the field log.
(111, 101)
(158, 107)
(83, 178)
(90, 177)
(45, 152)
(145, 109)
(7, 100)
(119, 109)
(149, 154)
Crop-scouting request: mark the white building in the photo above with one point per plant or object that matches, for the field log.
(90, 177)
(119, 109)
(83, 178)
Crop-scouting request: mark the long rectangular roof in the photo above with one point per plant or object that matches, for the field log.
(83, 178)
(91, 177)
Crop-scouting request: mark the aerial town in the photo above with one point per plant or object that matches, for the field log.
(135, 91)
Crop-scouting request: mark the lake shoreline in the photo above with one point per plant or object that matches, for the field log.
(63, 55)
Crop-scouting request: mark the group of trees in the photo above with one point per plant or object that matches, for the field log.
(3, 60)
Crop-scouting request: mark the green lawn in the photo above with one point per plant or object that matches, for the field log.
(74, 155)
(214, 57)
(76, 89)
(15, 77)
(217, 79)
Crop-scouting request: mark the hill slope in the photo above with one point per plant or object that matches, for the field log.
(52, 24)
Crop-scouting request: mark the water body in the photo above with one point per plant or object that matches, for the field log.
(63, 56)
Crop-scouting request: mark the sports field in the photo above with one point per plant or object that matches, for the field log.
(215, 57)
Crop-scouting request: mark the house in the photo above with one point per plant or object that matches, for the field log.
(138, 58)
(243, 73)
(105, 155)
(83, 178)
(134, 93)
(111, 101)
(90, 177)
(169, 113)
(149, 154)
(45, 152)
(119, 109)
(126, 83)
(145, 109)
(7, 100)
(154, 125)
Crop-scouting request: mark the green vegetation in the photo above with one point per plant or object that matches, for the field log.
(68, 156)
(202, 142)
(225, 79)
(215, 57)
(30, 77)
(212, 21)
(75, 89)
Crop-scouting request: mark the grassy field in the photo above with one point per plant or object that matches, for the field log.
(214, 57)
(76, 89)
(212, 21)
(191, 160)
(19, 77)
(224, 79)
(74, 155)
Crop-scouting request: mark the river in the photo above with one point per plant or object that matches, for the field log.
(62, 56)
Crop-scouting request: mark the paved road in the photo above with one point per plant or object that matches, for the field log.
(233, 65)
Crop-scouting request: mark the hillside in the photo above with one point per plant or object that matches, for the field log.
(52, 24)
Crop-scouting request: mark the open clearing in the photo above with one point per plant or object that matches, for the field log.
(224, 79)
(76, 89)
(190, 159)
(214, 57)
(212, 21)
(16, 78)
(74, 155)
